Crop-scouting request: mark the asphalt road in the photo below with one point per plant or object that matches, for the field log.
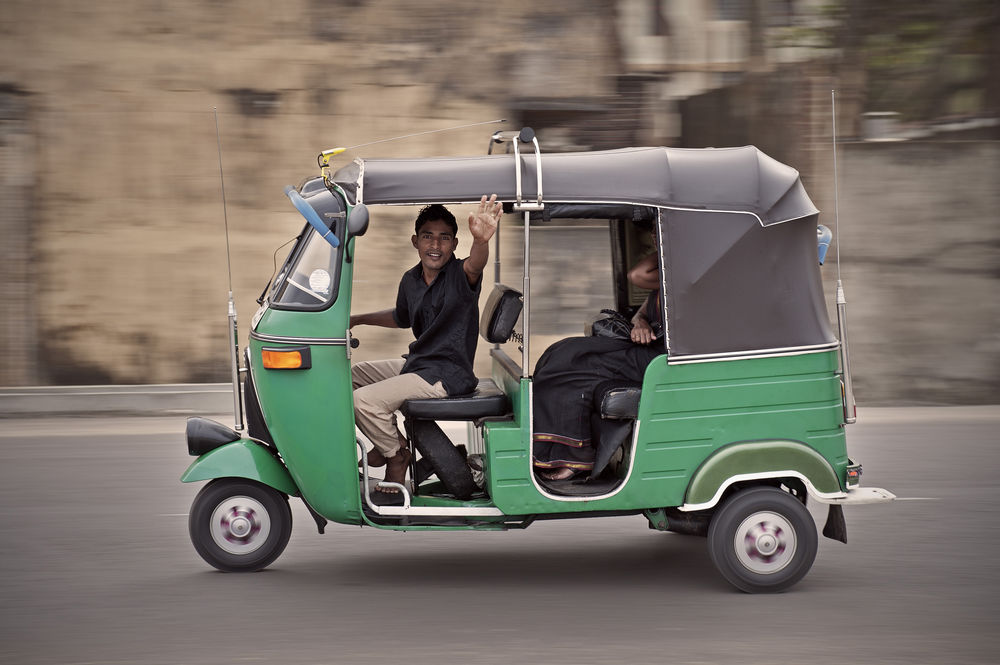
(97, 568)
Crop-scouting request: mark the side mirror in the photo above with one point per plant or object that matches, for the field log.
(823, 238)
(357, 223)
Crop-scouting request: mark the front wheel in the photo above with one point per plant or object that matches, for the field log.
(762, 540)
(239, 525)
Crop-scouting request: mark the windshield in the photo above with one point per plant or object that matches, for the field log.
(308, 279)
(310, 276)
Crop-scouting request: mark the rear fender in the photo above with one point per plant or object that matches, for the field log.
(759, 461)
(242, 459)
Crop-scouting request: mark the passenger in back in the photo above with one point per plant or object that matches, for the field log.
(568, 372)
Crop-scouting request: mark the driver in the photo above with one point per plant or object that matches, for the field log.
(439, 299)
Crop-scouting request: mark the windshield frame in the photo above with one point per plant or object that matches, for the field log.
(330, 206)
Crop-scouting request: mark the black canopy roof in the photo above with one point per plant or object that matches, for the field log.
(733, 179)
(738, 279)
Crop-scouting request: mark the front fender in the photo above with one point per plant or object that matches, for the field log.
(242, 459)
(759, 460)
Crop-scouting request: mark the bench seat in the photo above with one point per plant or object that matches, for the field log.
(488, 401)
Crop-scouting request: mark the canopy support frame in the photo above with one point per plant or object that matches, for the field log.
(519, 203)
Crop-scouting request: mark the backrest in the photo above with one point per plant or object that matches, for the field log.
(500, 314)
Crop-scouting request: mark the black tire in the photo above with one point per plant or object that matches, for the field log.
(762, 540)
(239, 525)
(448, 462)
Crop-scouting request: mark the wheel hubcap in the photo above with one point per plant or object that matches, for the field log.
(240, 525)
(765, 542)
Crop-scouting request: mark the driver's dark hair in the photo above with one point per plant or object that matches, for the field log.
(435, 212)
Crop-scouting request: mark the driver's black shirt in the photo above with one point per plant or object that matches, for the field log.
(444, 316)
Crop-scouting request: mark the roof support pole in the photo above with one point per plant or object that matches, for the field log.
(496, 264)
(526, 293)
(661, 222)
(496, 256)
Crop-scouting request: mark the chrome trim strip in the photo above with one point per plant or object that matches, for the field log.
(735, 212)
(759, 353)
(314, 341)
(732, 212)
(823, 497)
(646, 204)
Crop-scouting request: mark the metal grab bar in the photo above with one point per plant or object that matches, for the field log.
(519, 203)
(526, 135)
(365, 491)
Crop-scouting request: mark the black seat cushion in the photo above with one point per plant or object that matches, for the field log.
(618, 400)
(503, 307)
(487, 401)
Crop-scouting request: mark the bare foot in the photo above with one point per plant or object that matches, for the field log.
(395, 471)
(375, 458)
(563, 473)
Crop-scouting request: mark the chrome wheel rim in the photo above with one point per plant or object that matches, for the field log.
(240, 525)
(765, 542)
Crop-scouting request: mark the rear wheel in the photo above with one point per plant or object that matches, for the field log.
(239, 525)
(762, 540)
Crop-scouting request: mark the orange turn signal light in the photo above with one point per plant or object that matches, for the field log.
(286, 358)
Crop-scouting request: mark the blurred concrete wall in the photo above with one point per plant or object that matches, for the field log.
(17, 184)
(113, 249)
(920, 252)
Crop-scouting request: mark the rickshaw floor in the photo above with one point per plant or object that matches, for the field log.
(380, 498)
(581, 486)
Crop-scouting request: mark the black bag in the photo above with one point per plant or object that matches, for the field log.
(613, 325)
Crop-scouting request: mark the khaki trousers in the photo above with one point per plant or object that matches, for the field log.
(379, 391)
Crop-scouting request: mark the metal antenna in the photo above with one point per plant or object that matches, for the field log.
(225, 216)
(836, 192)
(850, 406)
(234, 348)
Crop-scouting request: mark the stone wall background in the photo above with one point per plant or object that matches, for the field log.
(920, 252)
(121, 189)
(113, 248)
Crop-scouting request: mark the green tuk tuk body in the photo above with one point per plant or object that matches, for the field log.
(702, 427)
(737, 423)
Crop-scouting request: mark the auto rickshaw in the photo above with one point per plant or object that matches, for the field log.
(735, 427)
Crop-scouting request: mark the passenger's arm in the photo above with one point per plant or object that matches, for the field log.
(384, 319)
(642, 333)
(646, 273)
(482, 226)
